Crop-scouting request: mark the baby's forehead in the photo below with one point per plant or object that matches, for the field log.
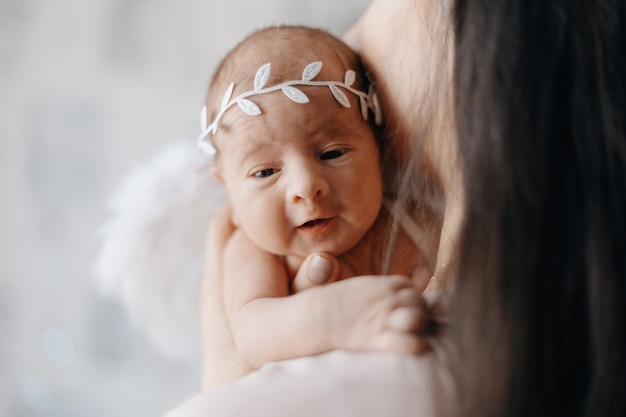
(289, 50)
(285, 125)
(284, 122)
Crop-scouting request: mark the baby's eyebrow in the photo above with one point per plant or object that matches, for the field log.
(332, 131)
(253, 148)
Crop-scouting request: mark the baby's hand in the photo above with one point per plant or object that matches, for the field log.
(377, 313)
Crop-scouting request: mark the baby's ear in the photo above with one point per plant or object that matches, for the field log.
(217, 174)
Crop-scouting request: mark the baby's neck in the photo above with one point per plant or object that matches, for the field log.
(293, 264)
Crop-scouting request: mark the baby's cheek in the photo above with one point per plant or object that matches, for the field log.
(269, 228)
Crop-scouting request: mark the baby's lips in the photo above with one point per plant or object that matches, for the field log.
(312, 223)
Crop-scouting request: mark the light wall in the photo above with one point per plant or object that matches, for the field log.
(88, 90)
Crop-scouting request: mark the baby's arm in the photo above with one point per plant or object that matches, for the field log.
(268, 324)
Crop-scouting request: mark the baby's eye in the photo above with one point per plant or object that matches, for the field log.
(335, 153)
(264, 173)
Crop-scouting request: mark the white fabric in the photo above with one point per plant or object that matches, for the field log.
(335, 384)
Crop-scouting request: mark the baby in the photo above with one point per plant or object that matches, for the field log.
(294, 144)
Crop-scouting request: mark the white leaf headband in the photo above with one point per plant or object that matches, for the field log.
(367, 100)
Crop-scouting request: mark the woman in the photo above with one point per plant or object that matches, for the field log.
(534, 197)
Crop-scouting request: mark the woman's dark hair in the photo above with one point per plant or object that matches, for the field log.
(539, 315)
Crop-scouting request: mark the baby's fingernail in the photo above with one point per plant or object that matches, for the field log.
(320, 270)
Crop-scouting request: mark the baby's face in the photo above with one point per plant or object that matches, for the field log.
(301, 177)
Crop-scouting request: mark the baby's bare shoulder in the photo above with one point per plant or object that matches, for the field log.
(243, 254)
(240, 243)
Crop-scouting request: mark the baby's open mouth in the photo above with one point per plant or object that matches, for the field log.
(312, 223)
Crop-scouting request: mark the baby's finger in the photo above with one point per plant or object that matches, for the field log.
(407, 319)
(397, 281)
(409, 296)
(400, 342)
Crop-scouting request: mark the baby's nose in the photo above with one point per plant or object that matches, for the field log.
(307, 185)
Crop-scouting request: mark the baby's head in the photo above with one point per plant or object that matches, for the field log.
(296, 152)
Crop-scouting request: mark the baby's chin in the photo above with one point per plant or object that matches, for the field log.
(335, 247)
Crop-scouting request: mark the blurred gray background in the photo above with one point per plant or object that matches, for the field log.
(89, 89)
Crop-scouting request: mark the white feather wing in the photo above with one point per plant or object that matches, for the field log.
(153, 245)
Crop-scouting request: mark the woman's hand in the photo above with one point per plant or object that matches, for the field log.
(317, 269)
